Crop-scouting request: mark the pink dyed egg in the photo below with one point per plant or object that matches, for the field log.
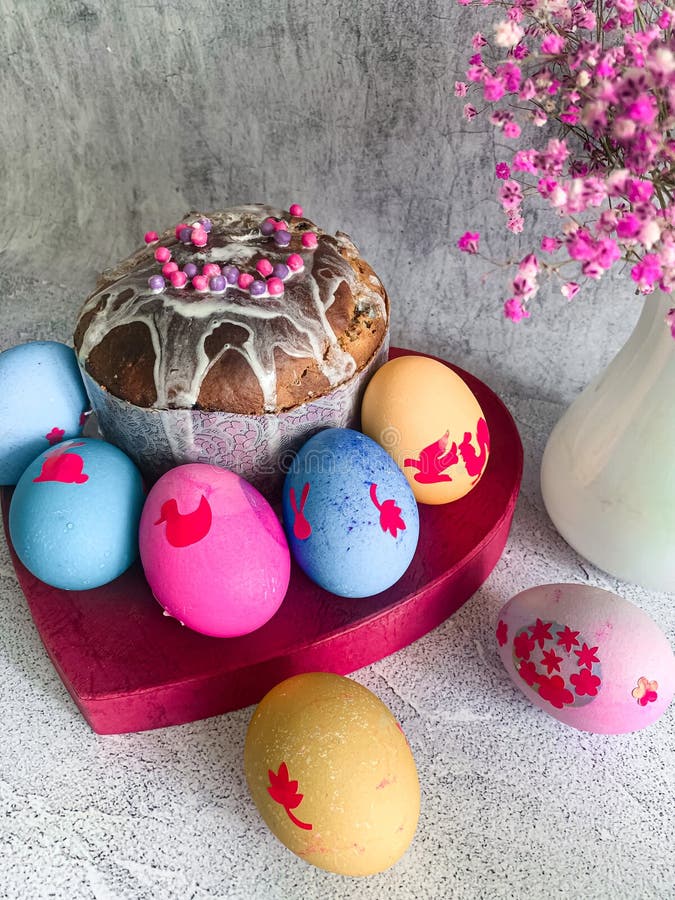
(588, 657)
(213, 551)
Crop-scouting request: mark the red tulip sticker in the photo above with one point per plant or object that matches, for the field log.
(301, 527)
(285, 792)
(59, 465)
(390, 513)
(188, 528)
(433, 460)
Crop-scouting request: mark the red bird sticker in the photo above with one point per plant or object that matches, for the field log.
(285, 792)
(301, 527)
(436, 458)
(187, 528)
(433, 461)
(60, 465)
(390, 513)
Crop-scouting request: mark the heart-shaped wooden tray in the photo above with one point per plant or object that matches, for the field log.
(130, 668)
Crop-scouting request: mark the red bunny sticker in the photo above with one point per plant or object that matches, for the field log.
(59, 465)
(301, 527)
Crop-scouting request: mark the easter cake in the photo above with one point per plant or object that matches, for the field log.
(230, 339)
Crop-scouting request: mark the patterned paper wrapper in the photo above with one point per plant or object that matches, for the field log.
(259, 448)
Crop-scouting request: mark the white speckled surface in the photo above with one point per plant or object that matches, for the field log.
(514, 804)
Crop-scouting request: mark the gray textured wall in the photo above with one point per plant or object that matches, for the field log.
(120, 116)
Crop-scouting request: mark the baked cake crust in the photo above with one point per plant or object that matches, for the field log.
(181, 348)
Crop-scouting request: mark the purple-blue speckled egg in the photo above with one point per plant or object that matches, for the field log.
(350, 516)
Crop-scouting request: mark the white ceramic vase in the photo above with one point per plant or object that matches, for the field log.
(608, 471)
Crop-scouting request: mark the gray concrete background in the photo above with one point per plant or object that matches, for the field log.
(117, 118)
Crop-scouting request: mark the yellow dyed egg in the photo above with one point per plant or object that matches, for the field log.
(332, 774)
(428, 420)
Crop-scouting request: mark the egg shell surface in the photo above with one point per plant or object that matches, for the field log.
(74, 514)
(332, 774)
(42, 402)
(351, 519)
(428, 420)
(213, 550)
(587, 657)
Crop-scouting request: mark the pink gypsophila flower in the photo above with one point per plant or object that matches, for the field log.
(670, 321)
(647, 272)
(514, 310)
(478, 41)
(628, 226)
(643, 111)
(514, 221)
(527, 91)
(508, 34)
(512, 130)
(470, 112)
(570, 116)
(493, 88)
(460, 89)
(524, 161)
(468, 243)
(638, 191)
(607, 253)
(528, 267)
(510, 194)
(570, 289)
(552, 44)
(550, 244)
(511, 75)
(502, 170)
(581, 245)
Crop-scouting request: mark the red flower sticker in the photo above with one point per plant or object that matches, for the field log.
(567, 638)
(561, 675)
(541, 632)
(285, 792)
(587, 656)
(552, 661)
(585, 683)
(553, 689)
(523, 645)
(502, 633)
(55, 435)
(528, 672)
(645, 692)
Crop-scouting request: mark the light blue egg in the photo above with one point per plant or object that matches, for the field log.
(350, 516)
(42, 398)
(74, 514)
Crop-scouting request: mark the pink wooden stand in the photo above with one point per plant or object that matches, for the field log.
(130, 668)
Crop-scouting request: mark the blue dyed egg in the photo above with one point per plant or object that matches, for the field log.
(42, 401)
(74, 514)
(350, 516)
